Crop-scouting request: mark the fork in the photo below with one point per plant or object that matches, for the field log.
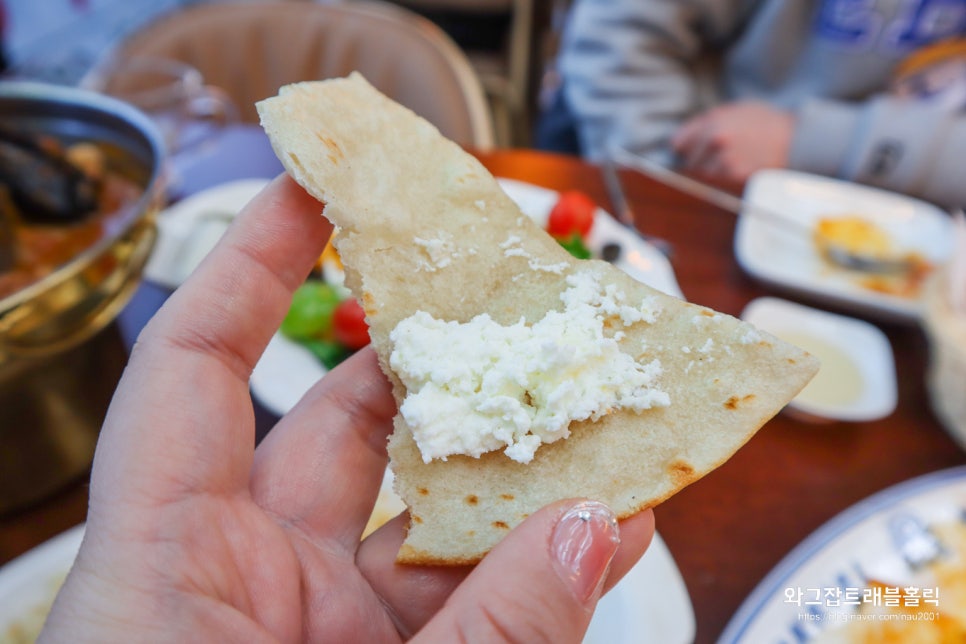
(623, 211)
(836, 253)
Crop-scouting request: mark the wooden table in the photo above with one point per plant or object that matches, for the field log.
(729, 529)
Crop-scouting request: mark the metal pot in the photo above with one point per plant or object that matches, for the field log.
(54, 332)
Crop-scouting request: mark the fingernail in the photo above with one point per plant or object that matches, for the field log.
(583, 545)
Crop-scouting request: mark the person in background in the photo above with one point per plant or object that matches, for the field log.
(193, 535)
(723, 88)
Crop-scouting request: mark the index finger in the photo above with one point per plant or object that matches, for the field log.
(184, 397)
(238, 296)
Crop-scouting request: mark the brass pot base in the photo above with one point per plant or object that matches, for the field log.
(51, 411)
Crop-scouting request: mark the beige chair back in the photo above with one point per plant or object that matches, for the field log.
(249, 50)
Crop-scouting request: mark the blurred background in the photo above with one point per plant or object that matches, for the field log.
(509, 42)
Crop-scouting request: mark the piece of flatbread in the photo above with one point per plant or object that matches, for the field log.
(424, 227)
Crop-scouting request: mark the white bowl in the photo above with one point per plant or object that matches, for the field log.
(857, 380)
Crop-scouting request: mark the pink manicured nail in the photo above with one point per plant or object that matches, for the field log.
(583, 545)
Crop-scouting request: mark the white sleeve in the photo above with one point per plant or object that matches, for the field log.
(906, 145)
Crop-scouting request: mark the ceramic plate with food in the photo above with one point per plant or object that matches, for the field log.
(891, 568)
(823, 211)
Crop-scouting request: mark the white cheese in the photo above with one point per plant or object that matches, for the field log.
(480, 386)
(512, 247)
(750, 336)
(440, 251)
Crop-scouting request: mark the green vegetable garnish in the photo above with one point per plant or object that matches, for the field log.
(329, 352)
(310, 314)
(575, 246)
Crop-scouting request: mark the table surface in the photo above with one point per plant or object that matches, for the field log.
(729, 529)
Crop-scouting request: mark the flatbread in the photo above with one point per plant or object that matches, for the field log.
(423, 226)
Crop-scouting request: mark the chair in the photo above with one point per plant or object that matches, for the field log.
(509, 70)
(249, 50)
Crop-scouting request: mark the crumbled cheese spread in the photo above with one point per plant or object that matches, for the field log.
(480, 386)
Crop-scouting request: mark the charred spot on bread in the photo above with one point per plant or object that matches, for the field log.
(734, 402)
(681, 471)
(335, 152)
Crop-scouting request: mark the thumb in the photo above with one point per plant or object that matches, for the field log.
(539, 584)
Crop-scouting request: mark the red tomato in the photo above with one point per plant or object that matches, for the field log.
(572, 214)
(349, 324)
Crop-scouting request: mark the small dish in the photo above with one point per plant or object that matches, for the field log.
(857, 380)
(784, 255)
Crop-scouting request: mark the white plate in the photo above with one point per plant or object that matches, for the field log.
(189, 229)
(29, 583)
(286, 370)
(650, 604)
(785, 256)
(856, 545)
(857, 380)
(639, 259)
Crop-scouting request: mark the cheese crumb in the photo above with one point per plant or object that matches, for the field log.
(750, 336)
(558, 268)
(440, 251)
(512, 247)
(480, 386)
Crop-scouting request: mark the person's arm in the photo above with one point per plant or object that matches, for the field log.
(900, 144)
(629, 68)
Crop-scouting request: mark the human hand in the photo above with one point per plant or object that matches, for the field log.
(194, 535)
(730, 142)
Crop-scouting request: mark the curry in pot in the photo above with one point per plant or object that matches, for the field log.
(57, 199)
